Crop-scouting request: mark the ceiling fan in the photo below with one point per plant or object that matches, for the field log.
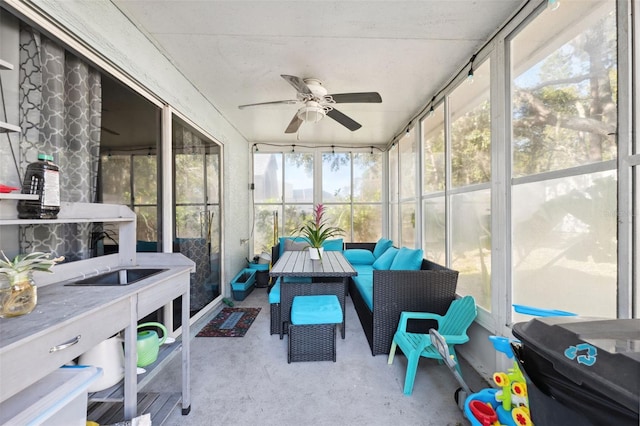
(317, 103)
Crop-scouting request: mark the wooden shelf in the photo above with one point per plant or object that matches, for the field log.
(159, 405)
(75, 213)
(4, 65)
(116, 392)
(106, 406)
(65, 220)
(18, 196)
(118, 214)
(8, 128)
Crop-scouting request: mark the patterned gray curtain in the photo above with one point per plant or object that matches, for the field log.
(60, 115)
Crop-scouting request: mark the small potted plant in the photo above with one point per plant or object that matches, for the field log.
(317, 231)
(18, 295)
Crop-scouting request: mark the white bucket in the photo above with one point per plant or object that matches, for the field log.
(108, 355)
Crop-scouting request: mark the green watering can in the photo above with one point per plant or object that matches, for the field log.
(149, 343)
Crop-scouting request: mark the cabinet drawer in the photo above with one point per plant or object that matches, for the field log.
(32, 359)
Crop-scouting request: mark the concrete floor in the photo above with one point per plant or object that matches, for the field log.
(247, 381)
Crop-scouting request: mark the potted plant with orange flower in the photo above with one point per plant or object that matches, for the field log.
(317, 231)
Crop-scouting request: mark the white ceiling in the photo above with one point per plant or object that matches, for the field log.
(235, 51)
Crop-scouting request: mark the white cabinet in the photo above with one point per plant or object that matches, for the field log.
(69, 320)
(41, 352)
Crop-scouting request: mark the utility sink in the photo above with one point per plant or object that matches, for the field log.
(118, 277)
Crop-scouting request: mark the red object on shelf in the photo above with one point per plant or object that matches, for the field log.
(4, 189)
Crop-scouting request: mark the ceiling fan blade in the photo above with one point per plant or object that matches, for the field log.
(287, 102)
(364, 98)
(347, 122)
(297, 83)
(294, 125)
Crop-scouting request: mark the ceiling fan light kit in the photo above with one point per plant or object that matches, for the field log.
(318, 104)
(312, 112)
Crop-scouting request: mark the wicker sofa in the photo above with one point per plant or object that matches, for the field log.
(430, 289)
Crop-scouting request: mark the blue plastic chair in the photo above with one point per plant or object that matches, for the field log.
(452, 326)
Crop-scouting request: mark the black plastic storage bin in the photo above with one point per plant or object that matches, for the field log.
(262, 274)
(581, 371)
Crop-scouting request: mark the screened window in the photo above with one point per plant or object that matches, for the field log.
(267, 178)
(393, 193)
(197, 218)
(351, 190)
(433, 143)
(366, 222)
(132, 180)
(408, 152)
(298, 178)
(433, 178)
(283, 195)
(564, 89)
(470, 119)
(470, 177)
(564, 112)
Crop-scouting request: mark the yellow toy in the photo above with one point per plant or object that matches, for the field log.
(513, 388)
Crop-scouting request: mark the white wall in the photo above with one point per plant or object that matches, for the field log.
(101, 26)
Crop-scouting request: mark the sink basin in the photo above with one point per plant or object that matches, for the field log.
(118, 277)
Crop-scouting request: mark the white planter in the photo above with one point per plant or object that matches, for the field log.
(313, 253)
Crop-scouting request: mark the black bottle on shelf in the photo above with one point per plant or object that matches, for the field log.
(42, 178)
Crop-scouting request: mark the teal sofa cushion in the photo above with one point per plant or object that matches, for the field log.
(386, 259)
(407, 260)
(359, 256)
(381, 247)
(333, 245)
(364, 284)
(274, 293)
(363, 270)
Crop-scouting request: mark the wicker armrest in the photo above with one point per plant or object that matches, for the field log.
(405, 316)
(275, 253)
(366, 246)
(419, 291)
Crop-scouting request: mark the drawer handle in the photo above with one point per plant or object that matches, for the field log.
(66, 345)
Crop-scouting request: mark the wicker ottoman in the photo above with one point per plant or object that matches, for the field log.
(312, 330)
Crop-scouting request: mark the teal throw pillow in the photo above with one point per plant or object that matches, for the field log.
(333, 245)
(407, 260)
(359, 256)
(381, 247)
(386, 259)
